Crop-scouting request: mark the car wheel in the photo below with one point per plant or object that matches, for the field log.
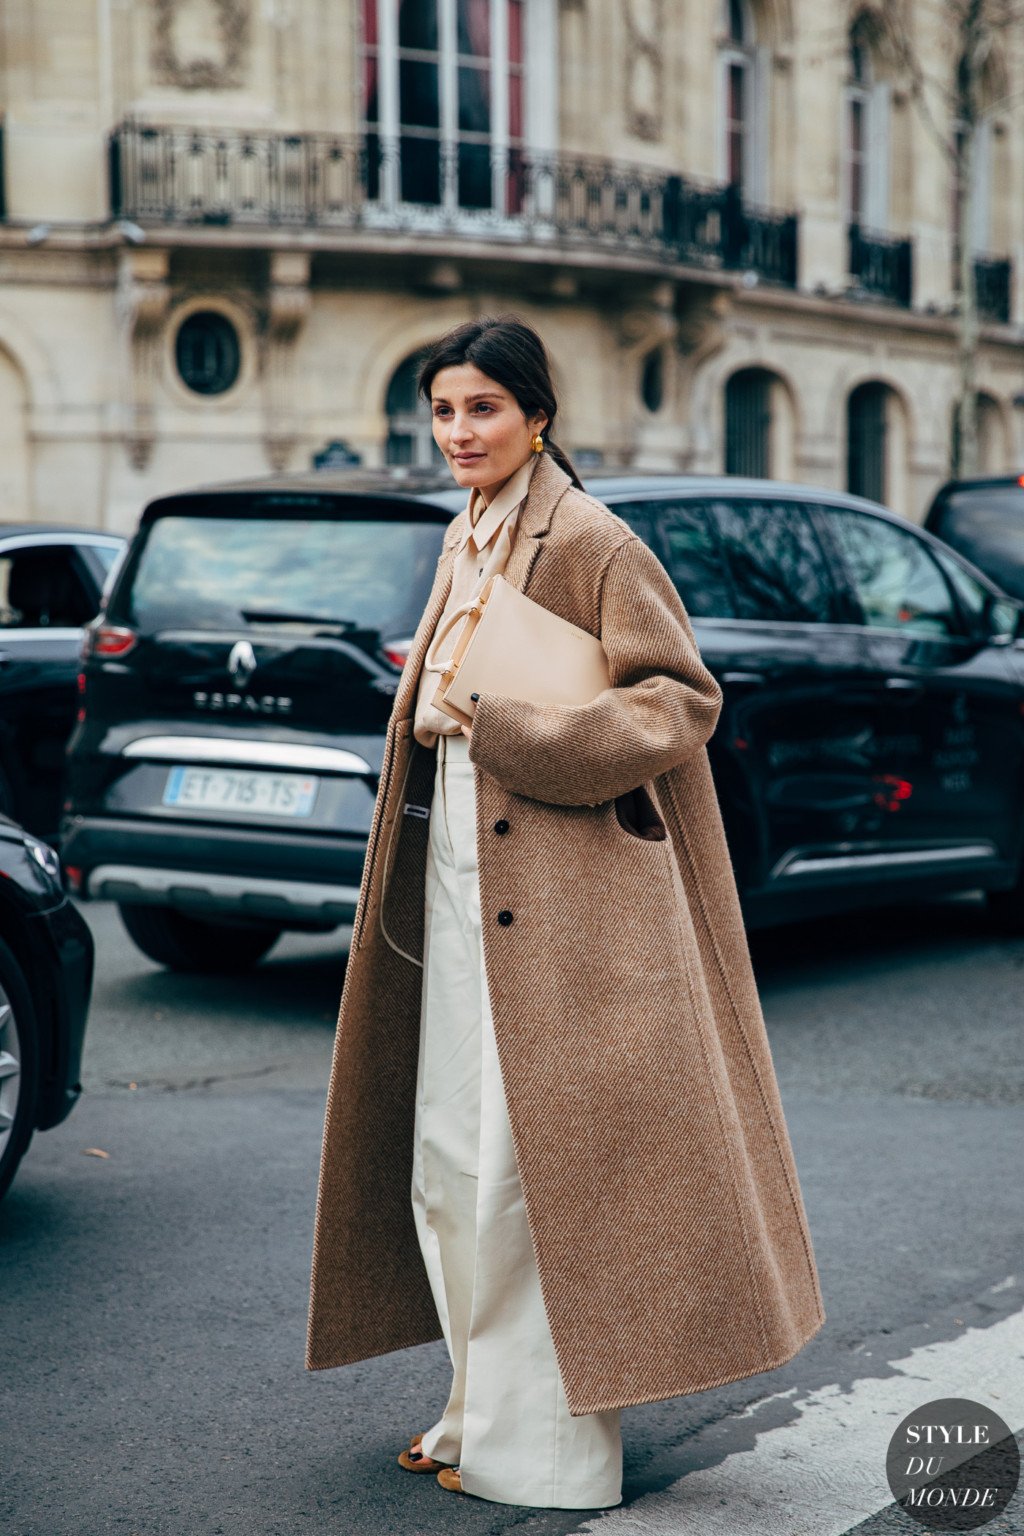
(19, 1066)
(185, 943)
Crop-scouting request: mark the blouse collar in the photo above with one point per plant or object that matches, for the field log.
(484, 521)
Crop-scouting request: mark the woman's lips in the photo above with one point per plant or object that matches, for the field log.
(467, 458)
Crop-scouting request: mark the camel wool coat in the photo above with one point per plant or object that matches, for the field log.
(658, 1178)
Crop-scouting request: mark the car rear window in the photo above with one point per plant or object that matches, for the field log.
(983, 522)
(198, 572)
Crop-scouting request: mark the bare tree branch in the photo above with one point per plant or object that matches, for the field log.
(954, 112)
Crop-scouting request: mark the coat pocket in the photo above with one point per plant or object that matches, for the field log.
(403, 878)
(637, 814)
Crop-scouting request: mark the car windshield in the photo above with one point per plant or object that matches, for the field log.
(237, 572)
(986, 523)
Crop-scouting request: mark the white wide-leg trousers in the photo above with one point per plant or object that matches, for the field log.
(507, 1423)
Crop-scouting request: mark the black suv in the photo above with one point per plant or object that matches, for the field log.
(984, 520)
(46, 973)
(239, 685)
(51, 583)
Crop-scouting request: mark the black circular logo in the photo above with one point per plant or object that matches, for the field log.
(953, 1464)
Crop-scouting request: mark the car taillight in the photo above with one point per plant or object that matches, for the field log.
(81, 698)
(111, 640)
(397, 651)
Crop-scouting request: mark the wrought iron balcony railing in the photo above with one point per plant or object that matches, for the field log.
(883, 266)
(173, 175)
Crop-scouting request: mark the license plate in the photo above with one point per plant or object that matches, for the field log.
(227, 789)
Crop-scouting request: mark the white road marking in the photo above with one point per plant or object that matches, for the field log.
(824, 1471)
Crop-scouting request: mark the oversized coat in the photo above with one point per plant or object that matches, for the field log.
(658, 1178)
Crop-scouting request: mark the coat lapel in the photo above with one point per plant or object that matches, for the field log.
(546, 488)
(547, 485)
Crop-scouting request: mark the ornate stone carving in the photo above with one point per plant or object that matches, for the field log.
(288, 304)
(143, 297)
(649, 320)
(226, 27)
(644, 67)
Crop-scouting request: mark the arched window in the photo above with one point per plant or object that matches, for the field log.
(866, 140)
(410, 433)
(652, 379)
(748, 423)
(743, 96)
(443, 110)
(867, 446)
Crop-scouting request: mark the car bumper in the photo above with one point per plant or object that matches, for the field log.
(294, 880)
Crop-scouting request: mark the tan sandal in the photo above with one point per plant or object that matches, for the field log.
(450, 1478)
(415, 1460)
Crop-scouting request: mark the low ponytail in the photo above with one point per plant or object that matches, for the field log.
(563, 461)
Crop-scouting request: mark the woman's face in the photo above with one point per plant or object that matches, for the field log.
(480, 428)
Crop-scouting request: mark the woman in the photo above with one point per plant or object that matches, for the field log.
(549, 1033)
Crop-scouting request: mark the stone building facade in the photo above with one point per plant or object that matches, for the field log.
(228, 225)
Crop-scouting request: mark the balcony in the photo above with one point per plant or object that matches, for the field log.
(230, 178)
(883, 266)
(992, 284)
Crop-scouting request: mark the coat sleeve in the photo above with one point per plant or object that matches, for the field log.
(662, 706)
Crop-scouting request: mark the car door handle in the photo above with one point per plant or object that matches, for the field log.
(903, 685)
(745, 679)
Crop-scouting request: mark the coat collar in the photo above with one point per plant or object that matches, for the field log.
(548, 484)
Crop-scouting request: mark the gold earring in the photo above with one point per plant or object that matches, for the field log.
(538, 443)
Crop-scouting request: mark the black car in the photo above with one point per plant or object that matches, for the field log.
(984, 520)
(46, 969)
(238, 688)
(51, 581)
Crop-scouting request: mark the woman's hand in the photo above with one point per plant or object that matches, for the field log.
(660, 708)
(467, 730)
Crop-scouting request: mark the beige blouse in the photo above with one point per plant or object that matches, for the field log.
(483, 550)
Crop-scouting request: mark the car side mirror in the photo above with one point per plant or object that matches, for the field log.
(1003, 620)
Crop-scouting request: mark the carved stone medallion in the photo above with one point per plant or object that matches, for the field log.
(200, 44)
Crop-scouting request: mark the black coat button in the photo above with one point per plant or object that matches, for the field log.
(504, 917)
(501, 826)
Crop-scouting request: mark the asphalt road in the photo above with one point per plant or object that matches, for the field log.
(154, 1301)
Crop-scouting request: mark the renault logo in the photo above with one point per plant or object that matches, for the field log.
(241, 663)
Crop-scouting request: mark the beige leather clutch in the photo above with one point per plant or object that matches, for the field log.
(512, 646)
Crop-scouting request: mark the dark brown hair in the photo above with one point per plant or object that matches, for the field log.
(511, 353)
